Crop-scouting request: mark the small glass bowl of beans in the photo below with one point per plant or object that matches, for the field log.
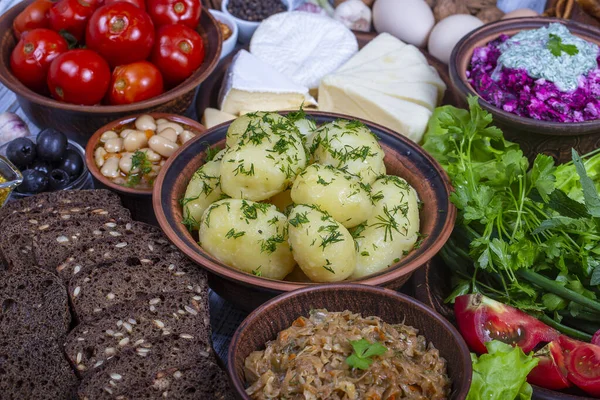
(131, 153)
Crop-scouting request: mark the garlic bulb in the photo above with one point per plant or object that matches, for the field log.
(12, 127)
(354, 14)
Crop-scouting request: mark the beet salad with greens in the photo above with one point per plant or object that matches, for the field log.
(546, 74)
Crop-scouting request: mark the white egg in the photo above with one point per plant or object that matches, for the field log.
(521, 12)
(447, 33)
(410, 22)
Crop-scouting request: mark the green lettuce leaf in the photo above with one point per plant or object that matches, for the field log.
(501, 374)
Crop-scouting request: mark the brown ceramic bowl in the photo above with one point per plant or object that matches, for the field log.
(402, 157)
(552, 138)
(78, 122)
(278, 314)
(139, 201)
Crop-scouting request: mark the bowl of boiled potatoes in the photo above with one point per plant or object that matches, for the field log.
(275, 201)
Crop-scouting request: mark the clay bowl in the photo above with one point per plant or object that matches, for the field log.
(402, 157)
(552, 138)
(432, 284)
(139, 201)
(79, 122)
(278, 314)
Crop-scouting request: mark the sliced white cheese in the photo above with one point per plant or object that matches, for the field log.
(422, 93)
(379, 47)
(303, 46)
(213, 117)
(406, 57)
(407, 118)
(252, 85)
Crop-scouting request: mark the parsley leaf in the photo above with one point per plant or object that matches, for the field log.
(363, 353)
(557, 47)
(142, 166)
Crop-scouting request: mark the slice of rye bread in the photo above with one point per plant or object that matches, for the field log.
(98, 289)
(138, 326)
(34, 368)
(206, 382)
(49, 256)
(131, 371)
(144, 246)
(33, 302)
(18, 240)
(49, 201)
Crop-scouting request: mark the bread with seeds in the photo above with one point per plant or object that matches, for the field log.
(51, 200)
(34, 368)
(129, 371)
(148, 246)
(34, 302)
(93, 292)
(139, 326)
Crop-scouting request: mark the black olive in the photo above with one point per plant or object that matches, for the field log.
(33, 182)
(42, 166)
(59, 179)
(51, 144)
(71, 163)
(21, 152)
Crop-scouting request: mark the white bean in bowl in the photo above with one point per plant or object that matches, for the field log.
(135, 140)
(162, 145)
(110, 169)
(145, 122)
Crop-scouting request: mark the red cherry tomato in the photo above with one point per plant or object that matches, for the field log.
(141, 4)
(31, 57)
(551, 372)
(184, 12)
(121, 33)
(33, 16)
(134, 82)
(79, 77)
(481, 319)
(583, 364)
(177, 53)
(71, 16)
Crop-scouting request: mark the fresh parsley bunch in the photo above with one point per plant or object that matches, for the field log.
(518, 238)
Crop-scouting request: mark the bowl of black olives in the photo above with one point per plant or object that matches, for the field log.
(47, 162)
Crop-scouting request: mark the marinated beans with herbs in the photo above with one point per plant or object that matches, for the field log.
(341, 355)
(134, 155)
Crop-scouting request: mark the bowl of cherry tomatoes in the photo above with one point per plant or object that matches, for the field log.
(76, 65)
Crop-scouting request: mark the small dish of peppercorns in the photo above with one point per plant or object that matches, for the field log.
(248, 14)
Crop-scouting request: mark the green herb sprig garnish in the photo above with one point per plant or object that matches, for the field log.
(557, 47)
(363, 353)
(139, 162)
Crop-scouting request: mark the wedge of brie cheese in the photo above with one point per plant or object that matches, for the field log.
(252, 85)
(303, 46)
(213, 117)
(388, 82)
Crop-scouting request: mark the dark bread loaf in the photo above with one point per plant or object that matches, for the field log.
(206, 382)
(131, 371)
(96, 290)
(144, 246)
(51, 200)
(34, 368)
(139, 326)
(34, 302)
(18, 241)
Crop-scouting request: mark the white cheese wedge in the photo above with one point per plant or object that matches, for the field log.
(303, 46)
(405, 117)
(379, 47)
(252, 85)
(213, 117)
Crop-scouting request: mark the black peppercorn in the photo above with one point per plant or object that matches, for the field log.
(255, 10)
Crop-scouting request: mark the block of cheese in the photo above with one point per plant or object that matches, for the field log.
(213, 117)
(303, 46)
(388, 82)
(405, 117)
(252, 85)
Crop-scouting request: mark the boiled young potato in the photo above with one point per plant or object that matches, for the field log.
(264, 161)
(203, 190)
(258, 122)
(349, 146)
(248, 236)
(340, 194)
(391, 232)
(323, 248)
